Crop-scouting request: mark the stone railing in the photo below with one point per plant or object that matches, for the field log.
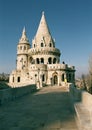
(82, 101)
(60, 66)
(36, 66)
(34, 51)
(10, 94)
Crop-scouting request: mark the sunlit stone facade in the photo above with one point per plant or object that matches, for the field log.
(40, 62)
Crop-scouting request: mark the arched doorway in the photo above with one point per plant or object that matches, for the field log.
(55, 79)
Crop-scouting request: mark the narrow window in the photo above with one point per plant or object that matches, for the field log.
(18, 80)
(50, 45)
(54, 61)
(24, 47)
(42, 61)
(34, 45)
(37, 60)
(43, 77)
(42, 44)
(49, 60)
(20, 47)
(62, 77)
(13, 79)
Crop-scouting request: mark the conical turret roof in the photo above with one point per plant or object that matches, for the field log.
(24, 38)
(43, 29)
(43, 34)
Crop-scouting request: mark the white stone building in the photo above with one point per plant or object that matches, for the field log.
(40, 63)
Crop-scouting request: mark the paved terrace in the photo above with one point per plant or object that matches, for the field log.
(48, 109)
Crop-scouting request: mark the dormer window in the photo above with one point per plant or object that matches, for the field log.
(42, 45)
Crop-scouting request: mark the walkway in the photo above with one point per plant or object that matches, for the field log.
(48, 109)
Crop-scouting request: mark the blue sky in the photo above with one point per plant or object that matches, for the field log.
(70, 23)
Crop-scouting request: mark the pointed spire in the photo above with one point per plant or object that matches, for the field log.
(24, 38)
(43, 29)
(43, 34)
(43, 13)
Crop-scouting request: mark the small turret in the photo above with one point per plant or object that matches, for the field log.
(22, 51)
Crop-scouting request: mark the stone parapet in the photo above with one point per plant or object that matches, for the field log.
(82, 101)
(61, 67)
(38, 66)
(10, 94)
(45, 50)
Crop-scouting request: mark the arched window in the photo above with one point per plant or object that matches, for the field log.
(42, 61)
(34, 45)
(49, 60)
(50, 45)
(62, 77)
(43, 77)
(55, 79)
(42, 45)
(18, 80)
(24, 47)
(54, 61)
(37, 60)
(20, 47)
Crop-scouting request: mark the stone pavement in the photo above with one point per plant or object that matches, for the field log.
(48, 109)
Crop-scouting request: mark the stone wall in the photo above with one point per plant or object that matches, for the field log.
(82, 102)
(13, 93)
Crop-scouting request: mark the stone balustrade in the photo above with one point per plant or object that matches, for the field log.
(40, 66)
(83, 106)
(33, 51)
(60, 66)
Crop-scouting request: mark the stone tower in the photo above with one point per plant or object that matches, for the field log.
(40, 63)
(22, 51)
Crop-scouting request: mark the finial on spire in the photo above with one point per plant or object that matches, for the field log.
(42, 12)
(24, 30)
(23, 37)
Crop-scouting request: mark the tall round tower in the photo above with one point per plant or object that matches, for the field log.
(22, 51)
(43, 49)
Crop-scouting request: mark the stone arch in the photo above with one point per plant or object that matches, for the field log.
(55, 78)
(62, 77)
(42, 60)
(43, 77)
(37, 60)
(49, 60)
(54, 61)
